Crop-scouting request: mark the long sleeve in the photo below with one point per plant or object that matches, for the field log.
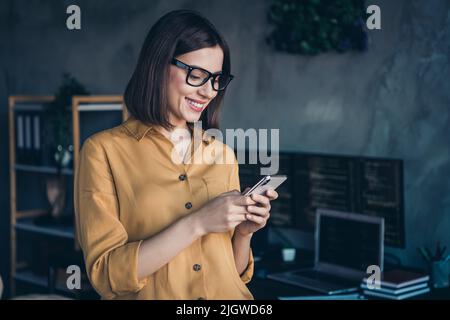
(234, 184)
(111, 260)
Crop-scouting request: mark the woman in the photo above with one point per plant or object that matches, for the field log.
(151, 227)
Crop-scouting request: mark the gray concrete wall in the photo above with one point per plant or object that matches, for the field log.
(392, 101)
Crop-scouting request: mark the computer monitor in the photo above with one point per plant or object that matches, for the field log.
(347, 243)
(365, 185)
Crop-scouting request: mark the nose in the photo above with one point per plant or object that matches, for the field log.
(206, 90)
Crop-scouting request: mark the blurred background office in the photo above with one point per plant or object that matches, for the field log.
(387, 99)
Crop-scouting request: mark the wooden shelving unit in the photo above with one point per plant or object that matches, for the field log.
(55, 231)
(23, 221)
(41, 169)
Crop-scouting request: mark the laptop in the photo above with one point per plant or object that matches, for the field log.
(345, 245)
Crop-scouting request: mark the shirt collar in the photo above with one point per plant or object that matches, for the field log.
(139, 130)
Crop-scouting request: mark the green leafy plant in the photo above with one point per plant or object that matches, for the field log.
(311, 27)
(58, 114)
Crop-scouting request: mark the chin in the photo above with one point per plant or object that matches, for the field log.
(192, 118)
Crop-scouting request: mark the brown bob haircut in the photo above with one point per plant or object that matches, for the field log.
(176, 33)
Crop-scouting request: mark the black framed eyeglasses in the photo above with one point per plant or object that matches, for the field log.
(197, 77)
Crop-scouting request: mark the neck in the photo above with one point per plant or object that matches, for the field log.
(179, 131)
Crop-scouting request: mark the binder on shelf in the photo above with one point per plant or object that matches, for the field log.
(37, 137)
(29, 138)
(20, 139)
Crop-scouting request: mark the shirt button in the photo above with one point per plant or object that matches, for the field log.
(196, 267)
(188, 205)
(182, 177)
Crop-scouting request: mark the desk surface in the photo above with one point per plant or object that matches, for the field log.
(267, 289)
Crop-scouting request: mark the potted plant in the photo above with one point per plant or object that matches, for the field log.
(58, 137)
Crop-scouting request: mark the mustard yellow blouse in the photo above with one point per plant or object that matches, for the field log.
(127, 189)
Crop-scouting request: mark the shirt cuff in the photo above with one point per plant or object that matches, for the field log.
(123, 264)
(247, 275)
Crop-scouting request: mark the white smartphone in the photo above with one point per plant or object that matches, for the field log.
(266, 183)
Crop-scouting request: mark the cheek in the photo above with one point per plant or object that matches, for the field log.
(180, 82)
(178, 87)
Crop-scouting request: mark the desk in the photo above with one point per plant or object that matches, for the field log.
(267, 289)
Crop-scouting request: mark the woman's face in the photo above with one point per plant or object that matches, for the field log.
(185, 102)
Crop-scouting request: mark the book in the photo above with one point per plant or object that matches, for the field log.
(396, 291)
(375, 293)
(398, 278)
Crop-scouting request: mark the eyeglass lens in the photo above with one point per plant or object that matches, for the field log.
(198, 77)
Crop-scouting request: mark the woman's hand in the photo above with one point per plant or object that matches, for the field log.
(222, 213)
(258, 214)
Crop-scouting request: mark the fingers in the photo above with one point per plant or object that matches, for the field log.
(238, 210)
(260, 211)
(256, 219)
(243, 201)
(271, 194)
(238, 217)
(262, 200)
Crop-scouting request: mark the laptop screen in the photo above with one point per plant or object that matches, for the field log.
(349, 240)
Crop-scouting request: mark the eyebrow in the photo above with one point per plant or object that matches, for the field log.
(195, 66)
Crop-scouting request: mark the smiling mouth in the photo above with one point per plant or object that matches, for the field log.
(195, 105)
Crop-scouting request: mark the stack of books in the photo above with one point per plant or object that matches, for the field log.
(350, 296)
(397, 285)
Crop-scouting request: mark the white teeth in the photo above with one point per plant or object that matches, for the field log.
(195, 104)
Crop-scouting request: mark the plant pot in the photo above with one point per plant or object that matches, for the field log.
(56, 195)
(439, 271)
